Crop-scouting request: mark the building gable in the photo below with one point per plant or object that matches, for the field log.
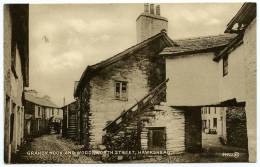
(156, 43)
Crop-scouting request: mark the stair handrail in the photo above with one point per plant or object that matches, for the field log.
(136, 104)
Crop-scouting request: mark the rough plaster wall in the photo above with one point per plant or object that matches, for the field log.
(147, 27)
(232, 85)
(173, 120)
(103, 105)
(193, 80)
(7, 73)
(13, 87)
(250, 60)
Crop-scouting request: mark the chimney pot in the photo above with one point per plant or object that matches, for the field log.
(146, 7)
(151, 8)
(158, 12)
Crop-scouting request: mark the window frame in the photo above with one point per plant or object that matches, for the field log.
(39, 111)
(151, 145)
(215, 122)
(225, 65)
(120, 95)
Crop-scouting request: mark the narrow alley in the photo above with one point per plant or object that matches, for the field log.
(38, 151)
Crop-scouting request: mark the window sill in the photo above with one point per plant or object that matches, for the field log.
(119, 99)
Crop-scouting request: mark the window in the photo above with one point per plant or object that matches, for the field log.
(157, 138)
(225, 65)
(121, 90)
(215, 110)
(39, 111)
(52, 111)
(209, 110)
(215, 122)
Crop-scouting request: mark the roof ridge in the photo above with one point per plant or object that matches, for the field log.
(202, 37)
(118, 54)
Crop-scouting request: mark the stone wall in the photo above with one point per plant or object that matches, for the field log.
(193, 133)
(236, 127)
(141, 70)
(13, 92)
(174, 123)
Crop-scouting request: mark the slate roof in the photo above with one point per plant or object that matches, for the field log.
(245, 16)
(39, 100)
(90, 70)
(198, 44)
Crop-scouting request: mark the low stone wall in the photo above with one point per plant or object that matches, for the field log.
(193, 133)
(236, 127)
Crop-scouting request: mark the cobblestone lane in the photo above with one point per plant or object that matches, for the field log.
(51, 149)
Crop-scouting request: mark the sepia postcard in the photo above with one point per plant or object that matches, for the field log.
(129, 83)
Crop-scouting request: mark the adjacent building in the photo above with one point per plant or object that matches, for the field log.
(71, 121)
(16, 75)
(40, 111)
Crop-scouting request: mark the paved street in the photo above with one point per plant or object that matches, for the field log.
(51, 149)
(48, 149)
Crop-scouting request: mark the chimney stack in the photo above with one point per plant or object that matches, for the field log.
(158, 12)
(146, 7)
(151, 8)
(150, 22)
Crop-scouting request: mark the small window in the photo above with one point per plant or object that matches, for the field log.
(215, 122)
(209, 110)
(157, 138)
(215, 110)
(39, 111)
(225, 65)
(52, 112)
(121, 90)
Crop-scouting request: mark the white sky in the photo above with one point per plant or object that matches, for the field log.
(64, 39)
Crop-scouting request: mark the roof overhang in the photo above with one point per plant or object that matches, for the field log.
(91, 71)
(242, 19)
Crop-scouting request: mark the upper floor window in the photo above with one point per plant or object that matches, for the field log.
(225, 65)
(121, 90)
(39, 111)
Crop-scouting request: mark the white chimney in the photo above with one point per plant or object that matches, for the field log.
(146, 7)
(151, 8)
(158, 12)
(150, 23)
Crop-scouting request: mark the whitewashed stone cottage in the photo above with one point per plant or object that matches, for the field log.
(125, 98)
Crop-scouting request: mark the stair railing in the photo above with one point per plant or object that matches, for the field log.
(150, 99)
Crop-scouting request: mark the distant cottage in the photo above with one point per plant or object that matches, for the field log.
(39, 113)
(153, 95)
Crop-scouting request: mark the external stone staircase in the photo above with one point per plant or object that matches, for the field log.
(126, 131)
